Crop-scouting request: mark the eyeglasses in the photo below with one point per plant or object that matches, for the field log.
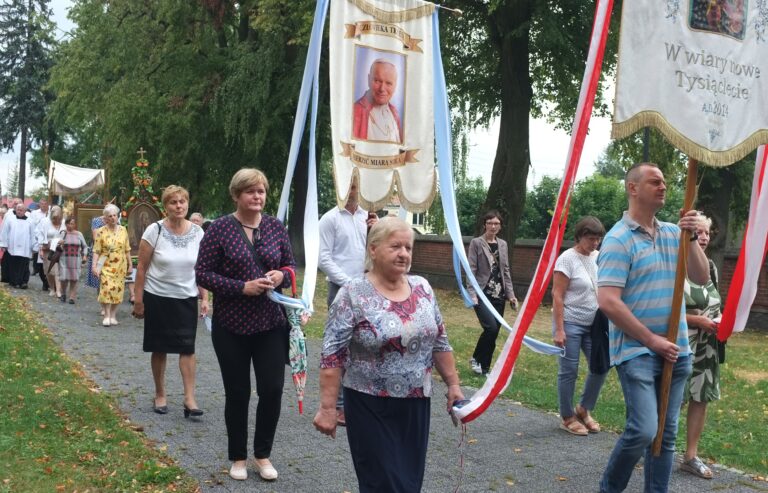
(493, 223)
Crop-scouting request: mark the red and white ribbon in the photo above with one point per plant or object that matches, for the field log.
(743, 288)
(501, 373)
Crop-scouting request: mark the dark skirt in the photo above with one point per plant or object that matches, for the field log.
(170, 324)
(388, 439)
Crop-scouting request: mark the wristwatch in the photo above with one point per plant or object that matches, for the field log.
(695, 236)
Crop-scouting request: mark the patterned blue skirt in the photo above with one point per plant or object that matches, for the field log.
(90, 279)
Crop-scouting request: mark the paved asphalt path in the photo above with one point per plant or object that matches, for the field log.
(509, 448)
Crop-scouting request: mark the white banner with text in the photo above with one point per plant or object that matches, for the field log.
(698, 71)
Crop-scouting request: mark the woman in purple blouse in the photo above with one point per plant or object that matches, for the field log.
(386, 331)
(240, 259)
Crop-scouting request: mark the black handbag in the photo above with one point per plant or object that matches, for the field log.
(55, 254)
(599, 359)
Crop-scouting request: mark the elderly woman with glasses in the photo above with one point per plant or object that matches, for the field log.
(111, 262)
(489, 262)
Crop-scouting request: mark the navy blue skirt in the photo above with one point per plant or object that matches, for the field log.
(388, 439)
(170, 324)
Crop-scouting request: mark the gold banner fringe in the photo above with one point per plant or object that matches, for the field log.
(686, 145)
(393, 17)
(413, 207)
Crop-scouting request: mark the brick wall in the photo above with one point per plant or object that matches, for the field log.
(432, 258)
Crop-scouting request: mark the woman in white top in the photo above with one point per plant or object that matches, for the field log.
(49, 233)
(166, 296)
(574, 304)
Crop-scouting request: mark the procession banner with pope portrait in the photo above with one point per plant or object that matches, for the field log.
(382, 111)
(698, 71)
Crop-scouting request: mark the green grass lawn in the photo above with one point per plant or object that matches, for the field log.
(735, 434)
(57, 431)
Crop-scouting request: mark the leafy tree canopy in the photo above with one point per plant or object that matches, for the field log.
(26, 43)
(514, 59)
(206, 87)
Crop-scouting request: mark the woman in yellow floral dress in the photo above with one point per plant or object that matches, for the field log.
(111, 262)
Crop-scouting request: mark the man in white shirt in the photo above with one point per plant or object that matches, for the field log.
(37, 216)
(343, 234)
(17, 239)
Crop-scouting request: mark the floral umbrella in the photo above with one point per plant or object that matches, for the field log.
(297, 352)
(297, 315)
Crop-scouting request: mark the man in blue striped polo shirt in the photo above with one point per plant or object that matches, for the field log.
(636, 277)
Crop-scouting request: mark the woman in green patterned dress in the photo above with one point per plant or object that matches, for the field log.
(702, 308)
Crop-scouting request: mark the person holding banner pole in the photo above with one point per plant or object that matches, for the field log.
(489, 262)
(636, 278)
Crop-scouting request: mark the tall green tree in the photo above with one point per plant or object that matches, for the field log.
(26, 44)
(511, 60)
(206, 87)
(539, 207)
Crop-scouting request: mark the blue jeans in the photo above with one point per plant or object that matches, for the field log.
(577, 338)
(640, 380)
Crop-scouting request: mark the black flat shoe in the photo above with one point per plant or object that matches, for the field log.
(159, 409)
(194, 413)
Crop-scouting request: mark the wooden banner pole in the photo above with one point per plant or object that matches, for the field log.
(677, 300)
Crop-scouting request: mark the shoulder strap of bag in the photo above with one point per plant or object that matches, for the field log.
(159, 231)
(254, 252)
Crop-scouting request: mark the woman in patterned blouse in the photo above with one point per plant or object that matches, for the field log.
(240, 259)
(386, 331)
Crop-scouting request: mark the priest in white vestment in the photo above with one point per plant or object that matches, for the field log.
(17, 239)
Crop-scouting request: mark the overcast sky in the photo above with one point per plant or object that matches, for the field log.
(549, 147)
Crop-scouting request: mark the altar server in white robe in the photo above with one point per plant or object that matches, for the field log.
(17, 239)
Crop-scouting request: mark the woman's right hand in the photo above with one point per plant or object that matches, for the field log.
(257, 287)
(138, 309)
(559, 338)
(325, 421)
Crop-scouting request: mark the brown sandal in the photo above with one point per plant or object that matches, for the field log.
(583, 416)
(574, 427)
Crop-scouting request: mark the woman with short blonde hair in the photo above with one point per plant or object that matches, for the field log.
(386, 332)
(242, 257)
(166, 296)
(49, 233)
(247, 178)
